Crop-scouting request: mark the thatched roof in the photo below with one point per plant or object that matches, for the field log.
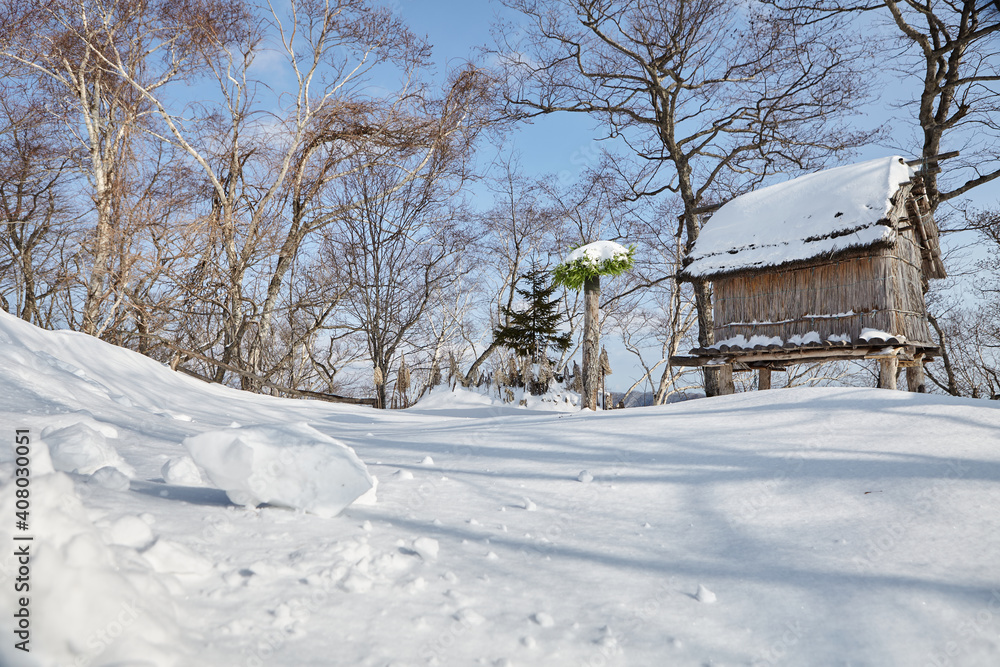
(816, 216)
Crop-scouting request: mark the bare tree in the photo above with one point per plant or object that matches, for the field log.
(35, 206)
(690, 85)
(399, 254)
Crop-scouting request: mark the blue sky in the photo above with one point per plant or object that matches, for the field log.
(456, 29)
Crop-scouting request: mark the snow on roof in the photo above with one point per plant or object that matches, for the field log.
(806, 217)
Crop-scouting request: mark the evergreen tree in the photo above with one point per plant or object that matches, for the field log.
(531, 332)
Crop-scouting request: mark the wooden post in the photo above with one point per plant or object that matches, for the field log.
(763, 379)
(726, 385)
(888, 368)
(591, 341)
(915, 376)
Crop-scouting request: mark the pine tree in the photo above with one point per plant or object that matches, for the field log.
(532, 332)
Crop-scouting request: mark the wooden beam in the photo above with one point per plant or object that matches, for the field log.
(778, 359)
(696, 362)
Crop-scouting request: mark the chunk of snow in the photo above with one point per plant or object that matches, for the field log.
(529, 505)
(181, 470)
(585, 477)
(83, 448)
(543, 619)
(426, 547)
(293, 465)
(111, 478)
(469, 617)
(427, 461)
(130, 531)
(705, 595)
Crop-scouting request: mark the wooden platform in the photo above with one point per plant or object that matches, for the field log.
(892, 354)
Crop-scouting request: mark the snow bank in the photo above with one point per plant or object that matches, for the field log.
(90, 603)
(291, 465)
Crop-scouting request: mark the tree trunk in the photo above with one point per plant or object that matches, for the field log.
(949, 370)
(591, 342)
(477, 363)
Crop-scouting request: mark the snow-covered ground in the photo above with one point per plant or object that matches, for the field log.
(791, 527)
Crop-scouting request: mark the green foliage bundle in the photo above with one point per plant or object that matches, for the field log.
(573, 273)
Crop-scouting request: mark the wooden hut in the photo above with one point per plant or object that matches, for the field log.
(828, 266)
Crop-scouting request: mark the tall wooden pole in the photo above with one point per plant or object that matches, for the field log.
(591, 341)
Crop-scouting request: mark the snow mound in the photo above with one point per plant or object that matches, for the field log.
(291, 465)
(89, 603)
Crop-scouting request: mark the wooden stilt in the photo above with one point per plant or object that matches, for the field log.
(763, 379)
(726, 385)
(915, 377)
(888, 368)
